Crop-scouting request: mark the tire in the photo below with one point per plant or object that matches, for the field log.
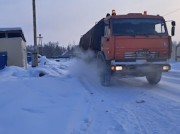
(104, 71)
(106, 77)
(154, 77)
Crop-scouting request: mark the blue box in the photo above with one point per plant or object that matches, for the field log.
(3, 60)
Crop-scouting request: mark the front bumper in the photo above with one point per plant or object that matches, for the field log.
(139, 67)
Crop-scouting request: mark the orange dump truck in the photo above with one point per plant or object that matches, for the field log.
(134, 44)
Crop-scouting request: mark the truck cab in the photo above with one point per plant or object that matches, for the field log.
(135, 37)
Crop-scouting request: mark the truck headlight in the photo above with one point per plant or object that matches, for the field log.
(116, 68)
(119, 68)
(166, 68)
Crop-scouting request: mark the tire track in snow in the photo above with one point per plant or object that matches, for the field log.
(124, 113)
(171, 76)
(165, 88)
(168, 90)
(84, 117)
(118, 126)
(136, 121)
(101, 109)
(166, 96)
(130, 120)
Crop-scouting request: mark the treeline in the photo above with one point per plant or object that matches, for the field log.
(53, 49)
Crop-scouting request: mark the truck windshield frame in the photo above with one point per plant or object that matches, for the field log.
(138, 27)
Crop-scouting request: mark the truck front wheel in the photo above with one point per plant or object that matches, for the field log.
(154, 77)
(105, 71)
(105, 76)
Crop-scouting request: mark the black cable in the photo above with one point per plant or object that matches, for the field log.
(172, 12)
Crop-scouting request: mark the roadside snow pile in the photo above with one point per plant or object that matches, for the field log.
(50, 68)
(47, 105)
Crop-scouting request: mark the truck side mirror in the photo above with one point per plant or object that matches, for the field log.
(173, 23)
(173, 31)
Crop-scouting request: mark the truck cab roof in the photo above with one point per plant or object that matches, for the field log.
(135, 15)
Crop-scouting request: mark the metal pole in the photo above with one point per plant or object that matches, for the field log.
(35, 52)
(40, 44)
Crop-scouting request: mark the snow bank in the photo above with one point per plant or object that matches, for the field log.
(46, 67)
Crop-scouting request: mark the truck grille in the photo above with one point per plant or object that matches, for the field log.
(141, 55)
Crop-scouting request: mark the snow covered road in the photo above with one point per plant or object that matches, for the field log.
(70, 100)
(132, 106)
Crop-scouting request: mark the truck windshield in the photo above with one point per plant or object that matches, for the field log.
(140, 26)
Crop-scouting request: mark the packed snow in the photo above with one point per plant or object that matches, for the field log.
(66, 97)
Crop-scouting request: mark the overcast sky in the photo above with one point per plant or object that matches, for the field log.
(66, 20)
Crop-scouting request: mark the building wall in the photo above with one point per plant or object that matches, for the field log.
(16, 49)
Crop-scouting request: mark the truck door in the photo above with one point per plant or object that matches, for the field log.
(107, 42)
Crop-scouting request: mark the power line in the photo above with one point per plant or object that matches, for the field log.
(172, 12)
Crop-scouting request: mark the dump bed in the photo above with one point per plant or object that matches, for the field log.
(92, 39)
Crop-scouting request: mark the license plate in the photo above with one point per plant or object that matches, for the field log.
(142, 53)
(141, 61)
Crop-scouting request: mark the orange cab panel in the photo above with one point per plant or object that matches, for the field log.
(133, 48)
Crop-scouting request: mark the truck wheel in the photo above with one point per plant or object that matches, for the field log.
(105, 72)
(154, 77)
(106, 77)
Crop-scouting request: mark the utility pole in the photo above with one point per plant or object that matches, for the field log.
(35, 51)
